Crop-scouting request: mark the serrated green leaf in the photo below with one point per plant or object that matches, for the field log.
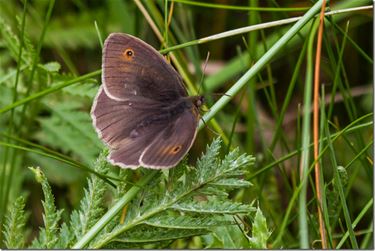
(144, 234)
(48, 236)
(180, 191)
(12, 43)
(233, 183)
(92, 204)
(186, 221)
(213, 190)
(260, 232)
(66, 237)
(207, 163)
(138, 246)
(231, 236)
(14, 227)
(214, 207)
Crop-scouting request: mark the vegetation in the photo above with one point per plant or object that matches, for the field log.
(284, 154)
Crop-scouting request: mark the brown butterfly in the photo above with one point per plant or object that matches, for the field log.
(142, 110)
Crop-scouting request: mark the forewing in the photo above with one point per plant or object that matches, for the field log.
(172, 143)
(132, 68)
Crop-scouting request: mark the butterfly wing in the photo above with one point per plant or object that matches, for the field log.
(129, 151)
(138, 85)
(133, 69)
(115, 120)
(161, 145)
(172, 143)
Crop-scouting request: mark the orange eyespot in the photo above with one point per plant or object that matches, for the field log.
(128, 54)
(176, 149)
(172, 149)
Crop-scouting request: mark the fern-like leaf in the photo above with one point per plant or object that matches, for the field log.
(186, 221)
(232, 183)
(66, 237)
(14, 227)
(13, 44)
(213, 207)
(260, 232)
(92, 205)
(230, 236)
(145, 234)
(48, 236)
(70, 130)
(169, 204)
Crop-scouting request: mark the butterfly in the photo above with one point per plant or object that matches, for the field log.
(142, 110)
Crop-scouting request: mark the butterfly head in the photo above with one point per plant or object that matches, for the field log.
(198, 101)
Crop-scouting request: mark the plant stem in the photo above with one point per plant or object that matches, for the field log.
(305, 153)
(316, 128)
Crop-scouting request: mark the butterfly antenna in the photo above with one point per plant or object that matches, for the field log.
(200, 85)
(221, 94)
(212, 130)
(203, 73)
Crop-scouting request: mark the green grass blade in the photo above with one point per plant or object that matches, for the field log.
(340, 189)
(56, 87)
(356, 221)
(306, 128)
(266, 58)
(67, 161)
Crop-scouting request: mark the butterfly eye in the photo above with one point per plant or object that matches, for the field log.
(128, 53)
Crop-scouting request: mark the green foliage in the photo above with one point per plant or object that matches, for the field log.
(167, 208)
(88, 89)
(208, 207)
(260, 232)
(92, 205)
(180, 221)
(12, 43)
(67, 118)
(172, 204)
(146, 234)
(91, 208)
(14, 227)
(48, 236)
(229, 237)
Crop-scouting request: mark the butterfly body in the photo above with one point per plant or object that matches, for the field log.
(142, 111)
(170, 112)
